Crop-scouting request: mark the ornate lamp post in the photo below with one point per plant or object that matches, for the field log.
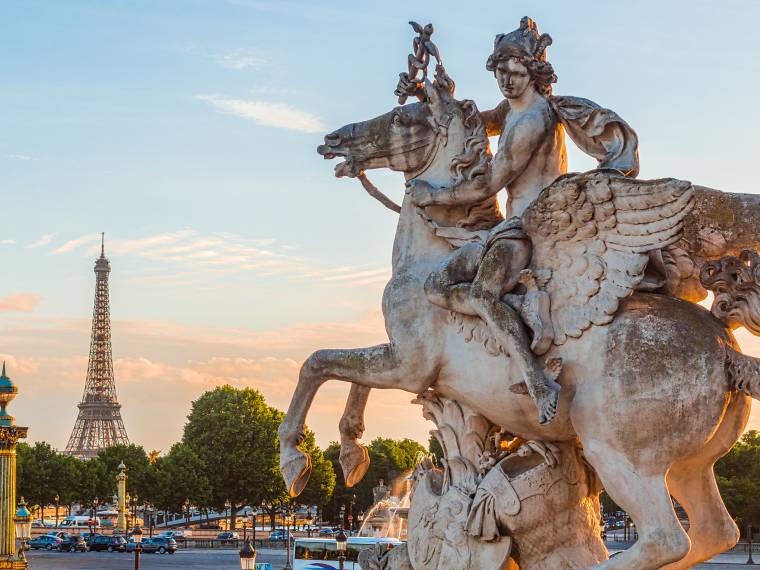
(137, 535)
(10, 433)
(341, 542)
(121, 486)
(56, 499)
(23, 522)
(228, 508)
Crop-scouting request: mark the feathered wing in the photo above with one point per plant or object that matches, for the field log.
(591, 234)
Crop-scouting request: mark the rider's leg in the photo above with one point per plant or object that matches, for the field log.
(498, 273)
(449, 285)
(373, 367)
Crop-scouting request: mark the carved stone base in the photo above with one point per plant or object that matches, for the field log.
(496, 504)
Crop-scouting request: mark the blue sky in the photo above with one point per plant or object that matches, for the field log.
(186, 130)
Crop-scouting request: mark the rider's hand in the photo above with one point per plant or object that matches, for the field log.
(421, 192)
(408, 86)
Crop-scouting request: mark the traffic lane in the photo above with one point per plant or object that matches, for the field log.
(193, 558)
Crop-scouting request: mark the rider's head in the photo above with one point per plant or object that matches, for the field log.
(522, 52)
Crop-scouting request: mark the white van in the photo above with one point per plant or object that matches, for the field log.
(83, 522)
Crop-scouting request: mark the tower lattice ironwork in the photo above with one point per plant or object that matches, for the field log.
(99, 422)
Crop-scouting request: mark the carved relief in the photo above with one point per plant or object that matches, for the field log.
(736, 284)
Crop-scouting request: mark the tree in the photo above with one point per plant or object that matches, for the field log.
(738, 476)
(234, 432)
(183, 477)
(390, 460)
(141, 475)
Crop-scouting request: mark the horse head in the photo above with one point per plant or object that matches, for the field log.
(441, 140)
(399, 140)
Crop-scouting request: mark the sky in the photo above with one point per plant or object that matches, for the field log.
(186, 131)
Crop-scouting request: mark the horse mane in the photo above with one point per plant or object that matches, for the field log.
(472, 162)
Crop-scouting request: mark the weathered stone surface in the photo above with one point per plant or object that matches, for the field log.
(636, 389)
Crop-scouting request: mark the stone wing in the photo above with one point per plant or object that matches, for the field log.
(591, 237)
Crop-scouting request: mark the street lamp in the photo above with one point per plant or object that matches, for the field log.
(341, 542)
(187, 513)
(137, 535)
(286, 514)
(228, 508)
(248, 556)
(56, 499)
(23, 522)
(151, 521)
(749, 544)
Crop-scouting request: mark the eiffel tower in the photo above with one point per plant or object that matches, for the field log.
(99, 422)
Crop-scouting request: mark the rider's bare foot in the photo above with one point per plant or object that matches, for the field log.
(547, 399)
(547, 405)
(354, 459)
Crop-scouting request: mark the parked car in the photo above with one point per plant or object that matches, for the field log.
(160, 544)
(37, 523)
(109, 543)
(72, 543)
(45, 541)
(227, 536)
(62, 534)
(175, 534)
(328, 531)
(278, 535)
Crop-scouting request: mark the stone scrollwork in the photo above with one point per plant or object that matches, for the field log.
(736, 284)
(496, 499)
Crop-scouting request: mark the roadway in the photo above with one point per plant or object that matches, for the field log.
(197, 559)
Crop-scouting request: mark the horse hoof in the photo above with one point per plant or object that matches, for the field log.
(354, 459)
(296, 472)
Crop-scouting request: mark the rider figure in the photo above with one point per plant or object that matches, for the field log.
(531, 155)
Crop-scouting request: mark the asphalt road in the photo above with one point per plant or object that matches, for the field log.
(216, 560)
(195, 559)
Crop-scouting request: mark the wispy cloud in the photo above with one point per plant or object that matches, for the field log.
(267, 113)
(44, 240)
(241, 59)
(18, 156)
(73, 244)
(19, 302)
(7, 242)
(187, 253)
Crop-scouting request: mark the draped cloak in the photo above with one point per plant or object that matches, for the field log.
(601, 133)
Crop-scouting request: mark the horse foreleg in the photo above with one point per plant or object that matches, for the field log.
(374, 367)
(354, 457)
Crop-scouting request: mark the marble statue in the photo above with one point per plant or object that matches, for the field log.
(531, 336)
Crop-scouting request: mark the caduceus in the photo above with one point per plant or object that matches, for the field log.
(417, 62)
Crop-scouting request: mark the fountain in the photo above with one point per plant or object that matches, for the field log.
(387, 518)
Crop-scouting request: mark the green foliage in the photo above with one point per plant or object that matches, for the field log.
(234, 432)
(320, 488)
(738, 476)
(181, 476)
(391, 460)
(141, 475)
(434, 447)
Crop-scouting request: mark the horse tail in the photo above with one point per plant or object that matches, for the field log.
(743, 372)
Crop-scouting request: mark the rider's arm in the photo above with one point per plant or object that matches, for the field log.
(522, 141)
(494, 118)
